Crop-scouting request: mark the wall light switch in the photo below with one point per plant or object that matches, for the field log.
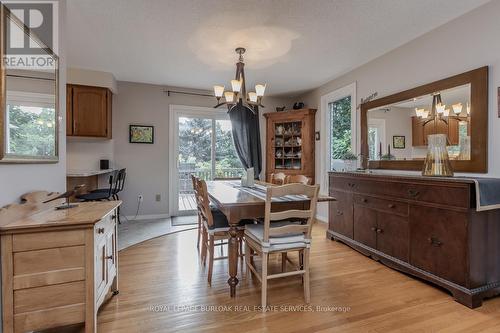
(158, 197)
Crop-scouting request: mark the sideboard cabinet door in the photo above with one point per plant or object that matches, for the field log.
(341, 220)
(392, 235)
(365, 225)
(438, 242)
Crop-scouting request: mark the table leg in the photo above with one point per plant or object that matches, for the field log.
(233, 260)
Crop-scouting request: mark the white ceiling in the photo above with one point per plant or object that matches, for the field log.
(292, 45)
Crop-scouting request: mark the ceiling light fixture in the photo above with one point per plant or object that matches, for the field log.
(238, 95)
(439, 111)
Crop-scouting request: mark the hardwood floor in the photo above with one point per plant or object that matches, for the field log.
(166, 272)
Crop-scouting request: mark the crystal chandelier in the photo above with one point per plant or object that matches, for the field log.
(238, 95)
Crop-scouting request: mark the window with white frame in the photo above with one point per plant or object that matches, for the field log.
(338, 112)
(376, 137)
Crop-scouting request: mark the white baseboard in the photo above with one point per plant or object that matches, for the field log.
(147, 217)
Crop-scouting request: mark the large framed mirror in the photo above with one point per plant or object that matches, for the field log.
(394, 129)
(29, 112)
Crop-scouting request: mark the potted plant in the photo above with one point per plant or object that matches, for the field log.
(350, 160)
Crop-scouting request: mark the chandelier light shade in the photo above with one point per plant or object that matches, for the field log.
(252, 97)
(457, 108)
(440, 108)
(218, 91)
(236, 85)
(229, 96)
(260, 89)
(238, 95)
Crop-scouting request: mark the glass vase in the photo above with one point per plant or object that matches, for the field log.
(437, 161)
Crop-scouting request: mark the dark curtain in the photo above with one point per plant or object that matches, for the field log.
(246, 137)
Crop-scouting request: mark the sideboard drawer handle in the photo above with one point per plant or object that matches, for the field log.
(339, 213)
(413, 193)
(364, 200)
(100, 230)
(113, 217)
(379, 231)
(373, 229)
(391, 205)
(109, 257)
(434, 241)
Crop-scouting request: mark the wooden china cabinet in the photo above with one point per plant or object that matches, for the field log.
(290, 142)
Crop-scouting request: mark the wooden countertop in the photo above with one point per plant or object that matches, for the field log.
(87, 213)
(87, 173)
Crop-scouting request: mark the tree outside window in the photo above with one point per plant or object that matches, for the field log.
(340, 128)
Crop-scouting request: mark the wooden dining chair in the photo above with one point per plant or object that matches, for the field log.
(198, 212)
(278, 178)
(301, 179)
(214, 226)
(282, 237)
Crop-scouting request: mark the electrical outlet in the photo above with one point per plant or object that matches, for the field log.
(140, 198)
(158, 197)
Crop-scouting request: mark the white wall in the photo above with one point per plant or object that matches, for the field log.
(466, 43)
(17, 179)
(147, 165)
(88, 77)
(397, 122)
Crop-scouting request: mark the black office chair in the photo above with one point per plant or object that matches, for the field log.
(101, 194)
(117, 187)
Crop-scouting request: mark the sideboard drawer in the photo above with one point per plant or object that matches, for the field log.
(342, 183)
(388, 206)
(439, 242)
(47, 240)
(104, 226)
(449, 194)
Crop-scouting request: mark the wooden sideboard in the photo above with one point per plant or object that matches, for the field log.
(58, 266)
(427, 227)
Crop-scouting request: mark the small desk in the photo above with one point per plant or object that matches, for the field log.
(89, 178)
(238, 204)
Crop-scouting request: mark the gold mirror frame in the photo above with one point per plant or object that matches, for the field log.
(5, 18)
(478, 80)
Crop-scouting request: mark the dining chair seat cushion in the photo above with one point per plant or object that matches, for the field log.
(221, 222)
(93, 196)
(285, 241)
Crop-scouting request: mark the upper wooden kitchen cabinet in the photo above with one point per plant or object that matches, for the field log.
(88, 111)
(450, 127)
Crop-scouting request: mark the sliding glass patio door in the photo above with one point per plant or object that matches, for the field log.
(204, 148)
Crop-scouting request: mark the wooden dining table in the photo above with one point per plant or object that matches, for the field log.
(239, 203)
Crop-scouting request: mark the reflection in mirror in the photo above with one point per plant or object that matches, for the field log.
(31, 115)
(30, 131)
(399, 131)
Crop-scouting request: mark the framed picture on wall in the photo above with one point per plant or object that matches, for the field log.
(398, 142)
(141, 134)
